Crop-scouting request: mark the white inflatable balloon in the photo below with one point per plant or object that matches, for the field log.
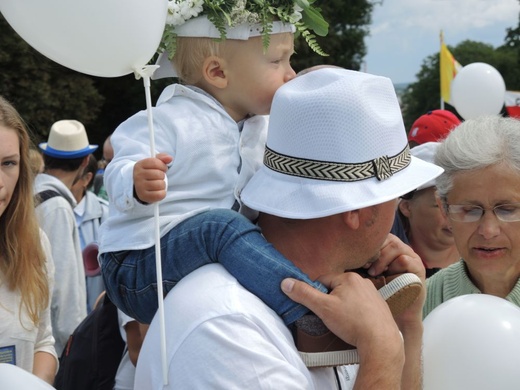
(478, 89)
(107, 38)
(472, 342)
(16, 378)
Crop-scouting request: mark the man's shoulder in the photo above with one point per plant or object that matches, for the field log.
(45, 195)
(96, 200)
(212, 294)
(52, 190)
(210, 308)
(205, 281)
(52, 200)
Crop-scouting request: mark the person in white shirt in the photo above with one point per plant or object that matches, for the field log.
(336, 160)
(66, 154)
(90, 212)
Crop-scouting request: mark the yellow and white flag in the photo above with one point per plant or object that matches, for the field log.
(448, 68)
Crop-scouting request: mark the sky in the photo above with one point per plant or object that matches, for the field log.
(404, 32)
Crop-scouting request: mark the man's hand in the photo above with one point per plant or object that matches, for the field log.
(149, 176)
(355, 311)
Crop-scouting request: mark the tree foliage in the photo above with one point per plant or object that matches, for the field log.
(349, 22)
(41, 90)
(511, 49)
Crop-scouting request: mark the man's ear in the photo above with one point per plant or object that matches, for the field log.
(404, 207)
(352, 219)
(214, 71)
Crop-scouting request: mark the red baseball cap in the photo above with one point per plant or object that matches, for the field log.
(432, 126)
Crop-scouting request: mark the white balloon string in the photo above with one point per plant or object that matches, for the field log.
(146, 73)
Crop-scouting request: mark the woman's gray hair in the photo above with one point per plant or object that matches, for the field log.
(477, 144)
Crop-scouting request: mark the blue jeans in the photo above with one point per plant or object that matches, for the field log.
(223, 236)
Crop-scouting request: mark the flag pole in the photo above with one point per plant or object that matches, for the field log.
(440, 69)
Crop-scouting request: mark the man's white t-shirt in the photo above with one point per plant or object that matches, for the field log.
(220, 336)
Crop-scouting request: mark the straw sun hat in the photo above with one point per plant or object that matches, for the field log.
(67, 139)
(336, 142)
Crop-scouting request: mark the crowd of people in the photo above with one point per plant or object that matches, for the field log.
(304, 233)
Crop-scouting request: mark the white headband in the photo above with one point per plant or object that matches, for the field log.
(201, 27)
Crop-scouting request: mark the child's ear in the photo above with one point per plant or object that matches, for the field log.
(214, 71)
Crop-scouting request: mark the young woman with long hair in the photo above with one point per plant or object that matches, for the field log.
(26, 268)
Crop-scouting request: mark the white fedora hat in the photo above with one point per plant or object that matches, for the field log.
(67, 139)
(336, 142)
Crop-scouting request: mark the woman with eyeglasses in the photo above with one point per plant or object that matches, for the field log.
(479, 192)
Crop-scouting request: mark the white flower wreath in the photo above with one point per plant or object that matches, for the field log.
(225, 14)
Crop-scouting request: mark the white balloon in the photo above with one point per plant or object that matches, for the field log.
(107, 38)
(478, 89)
(16, 378)
(472, 342)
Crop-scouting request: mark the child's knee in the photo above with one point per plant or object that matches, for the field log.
(227, 216)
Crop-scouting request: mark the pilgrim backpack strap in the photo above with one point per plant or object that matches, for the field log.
(42, 196)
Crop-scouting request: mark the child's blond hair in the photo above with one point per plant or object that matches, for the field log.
(190, 55)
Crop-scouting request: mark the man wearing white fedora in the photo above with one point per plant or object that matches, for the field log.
(65, 155)
(336, 160)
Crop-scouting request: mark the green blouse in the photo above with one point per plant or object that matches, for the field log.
(452, 282)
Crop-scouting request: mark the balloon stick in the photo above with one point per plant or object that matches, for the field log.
(146, 73)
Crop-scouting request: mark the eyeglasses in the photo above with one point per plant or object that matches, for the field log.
(472, 213)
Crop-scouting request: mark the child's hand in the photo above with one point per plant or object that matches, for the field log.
(149, 173)
(396, 258)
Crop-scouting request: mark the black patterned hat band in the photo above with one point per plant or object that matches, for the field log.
(381, 168)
